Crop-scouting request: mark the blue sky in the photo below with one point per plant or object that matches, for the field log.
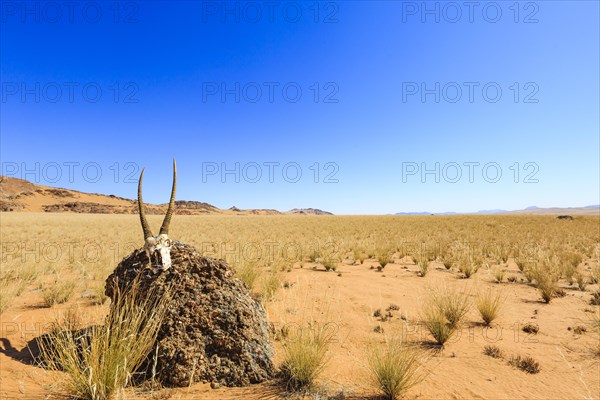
(366, 93)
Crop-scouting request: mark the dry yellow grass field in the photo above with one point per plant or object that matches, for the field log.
(545, 270)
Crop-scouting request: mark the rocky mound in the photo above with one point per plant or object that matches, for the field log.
(214, 330)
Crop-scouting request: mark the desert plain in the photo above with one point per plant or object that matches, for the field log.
(361, 279)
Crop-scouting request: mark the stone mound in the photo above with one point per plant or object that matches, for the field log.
(214, 330)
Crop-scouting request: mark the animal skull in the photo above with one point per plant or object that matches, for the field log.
(158, 248)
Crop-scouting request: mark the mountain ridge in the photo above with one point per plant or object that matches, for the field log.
(19, 195)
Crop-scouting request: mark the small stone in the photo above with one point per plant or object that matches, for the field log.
(215, 385)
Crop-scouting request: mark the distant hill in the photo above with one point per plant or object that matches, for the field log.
(308, 211)
(21, 195)
(533, 210)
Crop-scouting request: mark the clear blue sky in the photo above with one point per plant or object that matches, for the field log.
(168, 75)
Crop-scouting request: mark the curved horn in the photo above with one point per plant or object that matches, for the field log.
(141, 208)
(164, 229)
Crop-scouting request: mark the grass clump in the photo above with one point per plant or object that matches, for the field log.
(453, 304)
(581, 280)
(525, 363)
(7, 296)
(547, 289)
(394, 367)
(248, 272)
(488, 305)
(499, 274)
(270, 285)
(595, 301)
(330, 264)
(305, 356)
(468, 268)
(101, 361)
(492, 351)
(98, 296)
(383, 260)
(437, 324)
(59, 293)
(530, 328)
(423, 265)
(443, 312)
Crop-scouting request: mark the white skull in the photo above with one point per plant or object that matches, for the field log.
(158, 250)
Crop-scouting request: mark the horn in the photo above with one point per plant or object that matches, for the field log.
(145, 226)
(165, 225)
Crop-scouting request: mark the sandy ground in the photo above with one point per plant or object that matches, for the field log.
(569, 367)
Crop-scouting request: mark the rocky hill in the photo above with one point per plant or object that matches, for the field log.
(21, 195)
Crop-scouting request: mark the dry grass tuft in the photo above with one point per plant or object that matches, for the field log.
(330, 264)
(7, 296)
(59, 293)
(443, 312)
(394, 367)
(305, 356)
(525, 363)
(492, 351)
(489, 304)
(452, 303)
(270, 284)
(99, 361)
(248, 272)
(423, 265)
(595, 301)
(530, 328)
(383, 260)
(499, 274)
(468, 268)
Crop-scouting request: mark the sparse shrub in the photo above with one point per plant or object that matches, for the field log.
(492, 351)
(526, 364)
(511, 279)
(101, 362)
(59, 293)
(530, 328)
(559, 292)
(448, 265)
(392, 307)
(488, 304)
(377, 313)
(579, 329)
(394, 367)
(305, 355)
